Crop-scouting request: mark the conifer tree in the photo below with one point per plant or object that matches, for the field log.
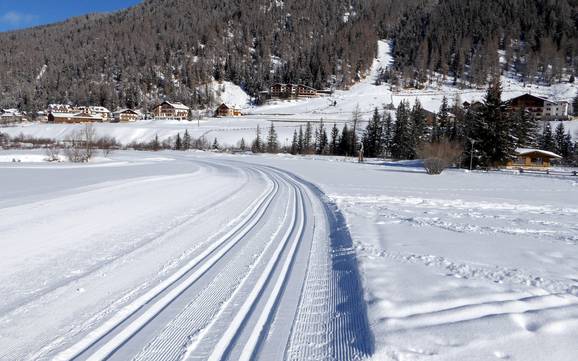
(156, 145)
(294, 143)
(417, 124)
(372, 138)
(387, 134)
(307, 139)
(257, 146)
(402, 144)
(547, 141)
(495, 141)
(178, 142)
(216, 144)
(186, 140)
(563, 147)
(333, 147)
(272, 144)
(242, 145)
(524, 129)
(345, 141)
(300, 141)
(444, 119)
(322, 139)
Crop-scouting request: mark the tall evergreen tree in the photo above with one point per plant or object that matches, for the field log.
(308, 139)
(301, 141)
(495, 142)
(178, 142)
(294, 143)
(417, 124)
(257, 146)
(333, 147)
(322, 138)
(443, 116)
(524, 129)
(186, 140)
(387, 134)
(345, 141)
(372, 138)
(403, 146)
(547, 141)
(272, 144)
(563, 144)
(242, 145)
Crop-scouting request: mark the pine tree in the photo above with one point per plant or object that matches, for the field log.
(257, 146)
(322, 139)
(178, 142)
(403, 146)
(307, 139)
(300, 141)
(272, 144)
(242, 145)
(156, 145)
(418, 124)
(562, 147)
(345, 141)
(372, 137)
(444, 119)
(333, 147)
(547, 141)
(495, 141)
(216, 144)
(524, 129)
(294, 143)
(387, 134)
(186, 140)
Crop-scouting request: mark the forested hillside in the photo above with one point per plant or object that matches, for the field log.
(172, 48)
(469, 40)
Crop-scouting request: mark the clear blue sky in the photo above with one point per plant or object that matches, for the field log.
(18, 14)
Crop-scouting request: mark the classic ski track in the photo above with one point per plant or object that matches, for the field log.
(228, 339)
(203, 262)
(191, 325)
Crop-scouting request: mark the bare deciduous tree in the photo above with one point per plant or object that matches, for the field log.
(439, 156)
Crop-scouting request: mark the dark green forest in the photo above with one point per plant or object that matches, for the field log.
(171, 48)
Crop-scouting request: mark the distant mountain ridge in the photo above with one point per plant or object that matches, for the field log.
(171, 49)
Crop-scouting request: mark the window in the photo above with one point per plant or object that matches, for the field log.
(537, 161)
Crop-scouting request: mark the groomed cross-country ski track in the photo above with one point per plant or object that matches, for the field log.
(279, 281)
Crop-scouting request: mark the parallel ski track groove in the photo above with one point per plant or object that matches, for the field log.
(203, 260)
(228, 339)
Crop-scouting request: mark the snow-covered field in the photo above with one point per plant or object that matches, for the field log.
(195, 255)
(289, 115)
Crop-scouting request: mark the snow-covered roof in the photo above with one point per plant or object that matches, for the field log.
(99, 109)
(178, 105)
(524, 151)
(120, 111)
(76, 115)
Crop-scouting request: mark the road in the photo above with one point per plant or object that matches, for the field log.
(278, 281)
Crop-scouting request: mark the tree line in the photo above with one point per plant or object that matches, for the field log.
(486, 135)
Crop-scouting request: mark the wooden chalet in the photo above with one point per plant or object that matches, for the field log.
(169, 110)
(227, 111)
(540, 108)
(280, 90)
(528, 158)
(126, 115)
(54, 117)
